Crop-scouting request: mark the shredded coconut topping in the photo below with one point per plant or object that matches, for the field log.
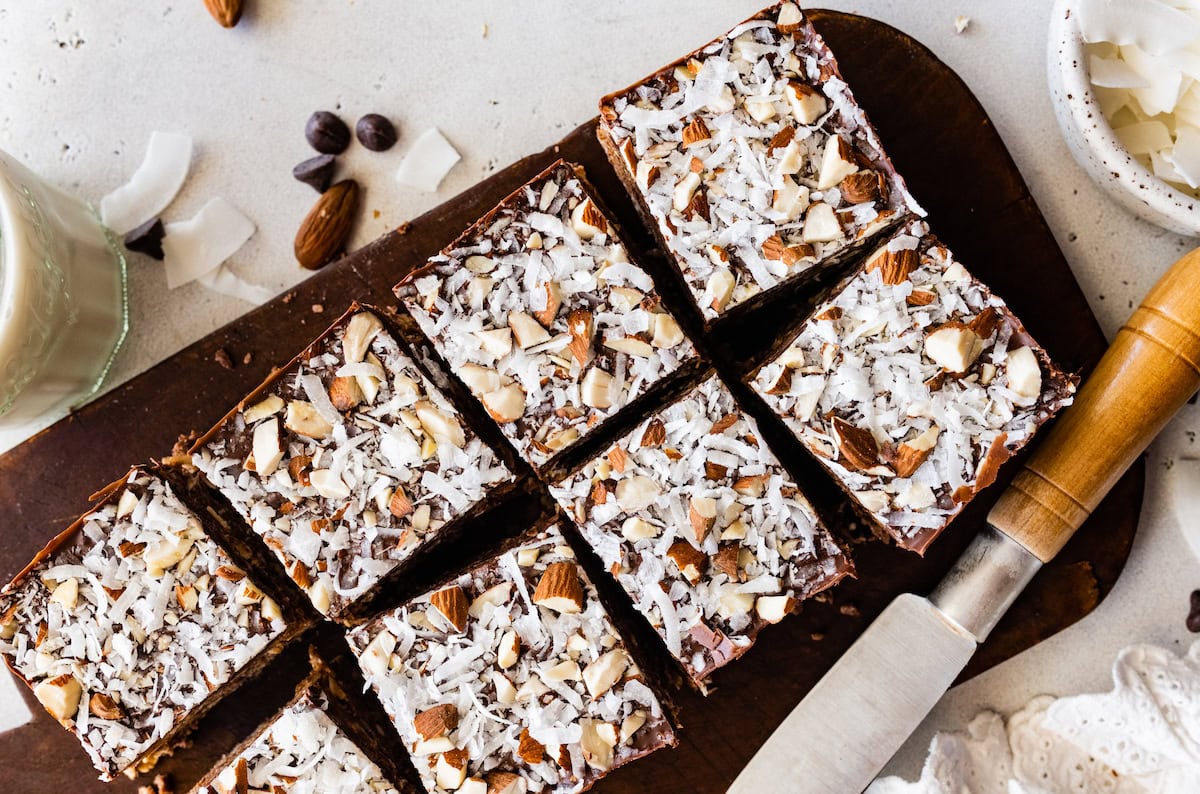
(345, 470)
(539, 311)
(134, 621)
(912, 384)
(754, 159)
(537, 684)
(303, 752)
(703, 528)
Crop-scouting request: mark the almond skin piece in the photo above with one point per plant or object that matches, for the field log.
(105, 707)
(863, 186)
(702, 513)
(436, 721)
(579, 325)
(773, 248)
(553, 302)
(324, 230)
(226, 12)
(559, 589)
(452, 603)
(300, 575)
(751, 485)
(985, 323)
(504, 783)
(724, 423)
(655, 434)
(908, 460)
(399, 505)
(726, 560)
(344, 393)
(997, 453)
(857, 447)
(895, 266)
(297, 468)
(714, 471)
(695, 132)
(782, 138)
(530, 749)
(689, 559)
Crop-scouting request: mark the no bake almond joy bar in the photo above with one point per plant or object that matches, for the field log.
(752, 161)
(912, 384)
(540, 312)
(134, 622)
(348, 461)
(703, 528)
(512, 678)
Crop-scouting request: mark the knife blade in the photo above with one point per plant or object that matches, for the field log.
(864, 708)
(877, 693)
(909, 655)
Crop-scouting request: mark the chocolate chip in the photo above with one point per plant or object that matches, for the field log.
(375, 132)
(147, 239)
(222, 358)
(327, 133)
(316, 172)
(1193, 618)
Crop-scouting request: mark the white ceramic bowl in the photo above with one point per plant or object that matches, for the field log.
(1092, 141)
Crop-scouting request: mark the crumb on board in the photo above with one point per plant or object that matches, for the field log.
(961, 23)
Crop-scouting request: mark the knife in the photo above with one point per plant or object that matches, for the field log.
(856, 717)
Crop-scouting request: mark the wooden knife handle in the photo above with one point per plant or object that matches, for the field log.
(1150, 370)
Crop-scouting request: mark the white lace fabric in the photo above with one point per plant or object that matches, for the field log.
(1143, 737)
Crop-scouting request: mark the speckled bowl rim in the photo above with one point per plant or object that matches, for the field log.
(1067, 63)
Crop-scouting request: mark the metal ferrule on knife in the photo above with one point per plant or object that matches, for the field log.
(985, 581)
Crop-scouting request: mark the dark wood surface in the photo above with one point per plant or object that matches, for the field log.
(957, 167)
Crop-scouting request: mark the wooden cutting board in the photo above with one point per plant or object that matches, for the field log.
(958, 168)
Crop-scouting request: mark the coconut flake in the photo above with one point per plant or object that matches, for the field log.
(198, 246)
(1185, 156)
(1144, 61)
(225, 282)
(1114, 73)
(153, 185)
(1155, 27)
(426, 164)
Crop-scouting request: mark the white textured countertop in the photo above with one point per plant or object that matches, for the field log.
(83, 83)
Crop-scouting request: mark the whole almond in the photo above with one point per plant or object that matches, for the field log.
(324, 230)
(226, 12)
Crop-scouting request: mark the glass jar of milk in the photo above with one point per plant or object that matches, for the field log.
(63, 311)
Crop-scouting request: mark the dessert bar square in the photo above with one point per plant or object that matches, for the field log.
(513, 678)
(703, 528)
(348, 461)
(133, 622)
(752, 160)
(540, 312)
(912, 384)
(304, 749)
